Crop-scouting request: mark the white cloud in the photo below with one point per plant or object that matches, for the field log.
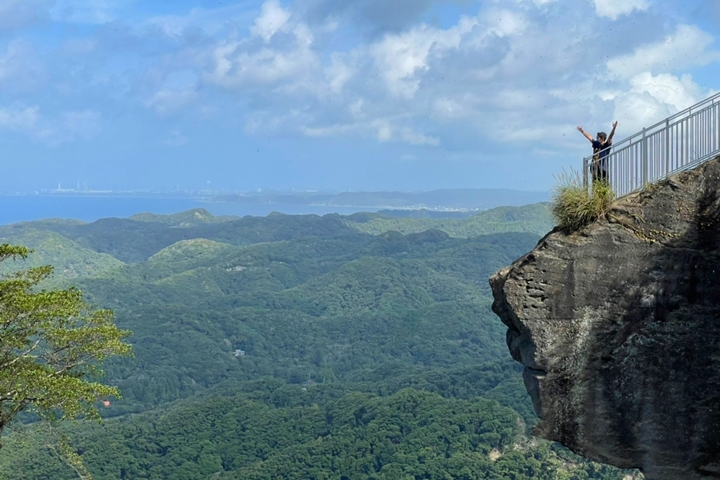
(613, 9)
(462, 73)
(331, 131)
(272, 19)
(520, 71)
(168, 100)
(685, 48)
(386, 132)
(400, 57)
(652, 98)
(338, 74)
(236, 67)
(286, 53)
(19, 119)
(463, 107)
(504, 22)
(681, 92)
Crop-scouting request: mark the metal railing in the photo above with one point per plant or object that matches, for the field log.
(678, 143)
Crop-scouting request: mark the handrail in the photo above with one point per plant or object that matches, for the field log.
(679, 142)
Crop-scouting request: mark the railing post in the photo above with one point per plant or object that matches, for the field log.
(644, 160)
(585, 174)
(667, 147)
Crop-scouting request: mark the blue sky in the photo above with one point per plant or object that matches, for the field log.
(334, 94)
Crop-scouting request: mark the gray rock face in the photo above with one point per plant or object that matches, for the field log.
(618, 326)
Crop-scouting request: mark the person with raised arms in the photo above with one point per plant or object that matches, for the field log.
(601, 149)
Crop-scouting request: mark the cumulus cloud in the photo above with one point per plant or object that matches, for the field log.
(613, 9)
(654, 97)
(357, 91)
(498, 64)
(506, 72)
(400, 57)
(507, 75)
(680, 92)
(285, 52)
(271, 20)
(686, 47)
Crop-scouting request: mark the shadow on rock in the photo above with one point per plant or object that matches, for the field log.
(618, 326)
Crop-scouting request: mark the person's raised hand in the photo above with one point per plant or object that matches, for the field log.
(580, 129)
(614, 124)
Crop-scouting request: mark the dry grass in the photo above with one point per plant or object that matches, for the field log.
(574, 206)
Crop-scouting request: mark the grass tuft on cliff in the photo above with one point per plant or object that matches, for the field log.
(574, 207)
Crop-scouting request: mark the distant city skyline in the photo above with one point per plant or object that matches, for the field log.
(408, 95)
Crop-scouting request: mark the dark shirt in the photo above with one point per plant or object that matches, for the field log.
(600, 164)
(597, 147)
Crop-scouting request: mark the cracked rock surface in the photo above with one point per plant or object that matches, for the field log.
(618, 327)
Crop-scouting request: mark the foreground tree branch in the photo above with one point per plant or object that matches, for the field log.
(52, 345)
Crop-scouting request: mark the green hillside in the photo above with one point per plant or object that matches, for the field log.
(306, 309)
(196, 216)
(299, 347)
(69, 259)
(535, 219)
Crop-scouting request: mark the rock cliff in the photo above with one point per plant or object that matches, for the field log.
(618, 326)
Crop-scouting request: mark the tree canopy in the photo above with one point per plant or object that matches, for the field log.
(51, 345)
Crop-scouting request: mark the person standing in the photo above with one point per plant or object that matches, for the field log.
(601, 149)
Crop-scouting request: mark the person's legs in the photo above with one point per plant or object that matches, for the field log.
(603, 164)
(597, 172)
(604, 175)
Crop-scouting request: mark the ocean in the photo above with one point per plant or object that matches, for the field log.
(24, 208)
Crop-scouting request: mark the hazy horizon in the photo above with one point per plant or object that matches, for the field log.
(16, 208)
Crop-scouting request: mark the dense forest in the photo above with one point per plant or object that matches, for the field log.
(299, 347)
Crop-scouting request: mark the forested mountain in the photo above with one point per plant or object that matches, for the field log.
(531, 218)
(300, 347)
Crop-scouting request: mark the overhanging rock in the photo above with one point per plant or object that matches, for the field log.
(618, 326)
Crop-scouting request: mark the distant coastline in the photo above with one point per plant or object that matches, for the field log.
(90, 206)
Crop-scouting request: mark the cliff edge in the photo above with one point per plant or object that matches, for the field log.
(618, 327)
